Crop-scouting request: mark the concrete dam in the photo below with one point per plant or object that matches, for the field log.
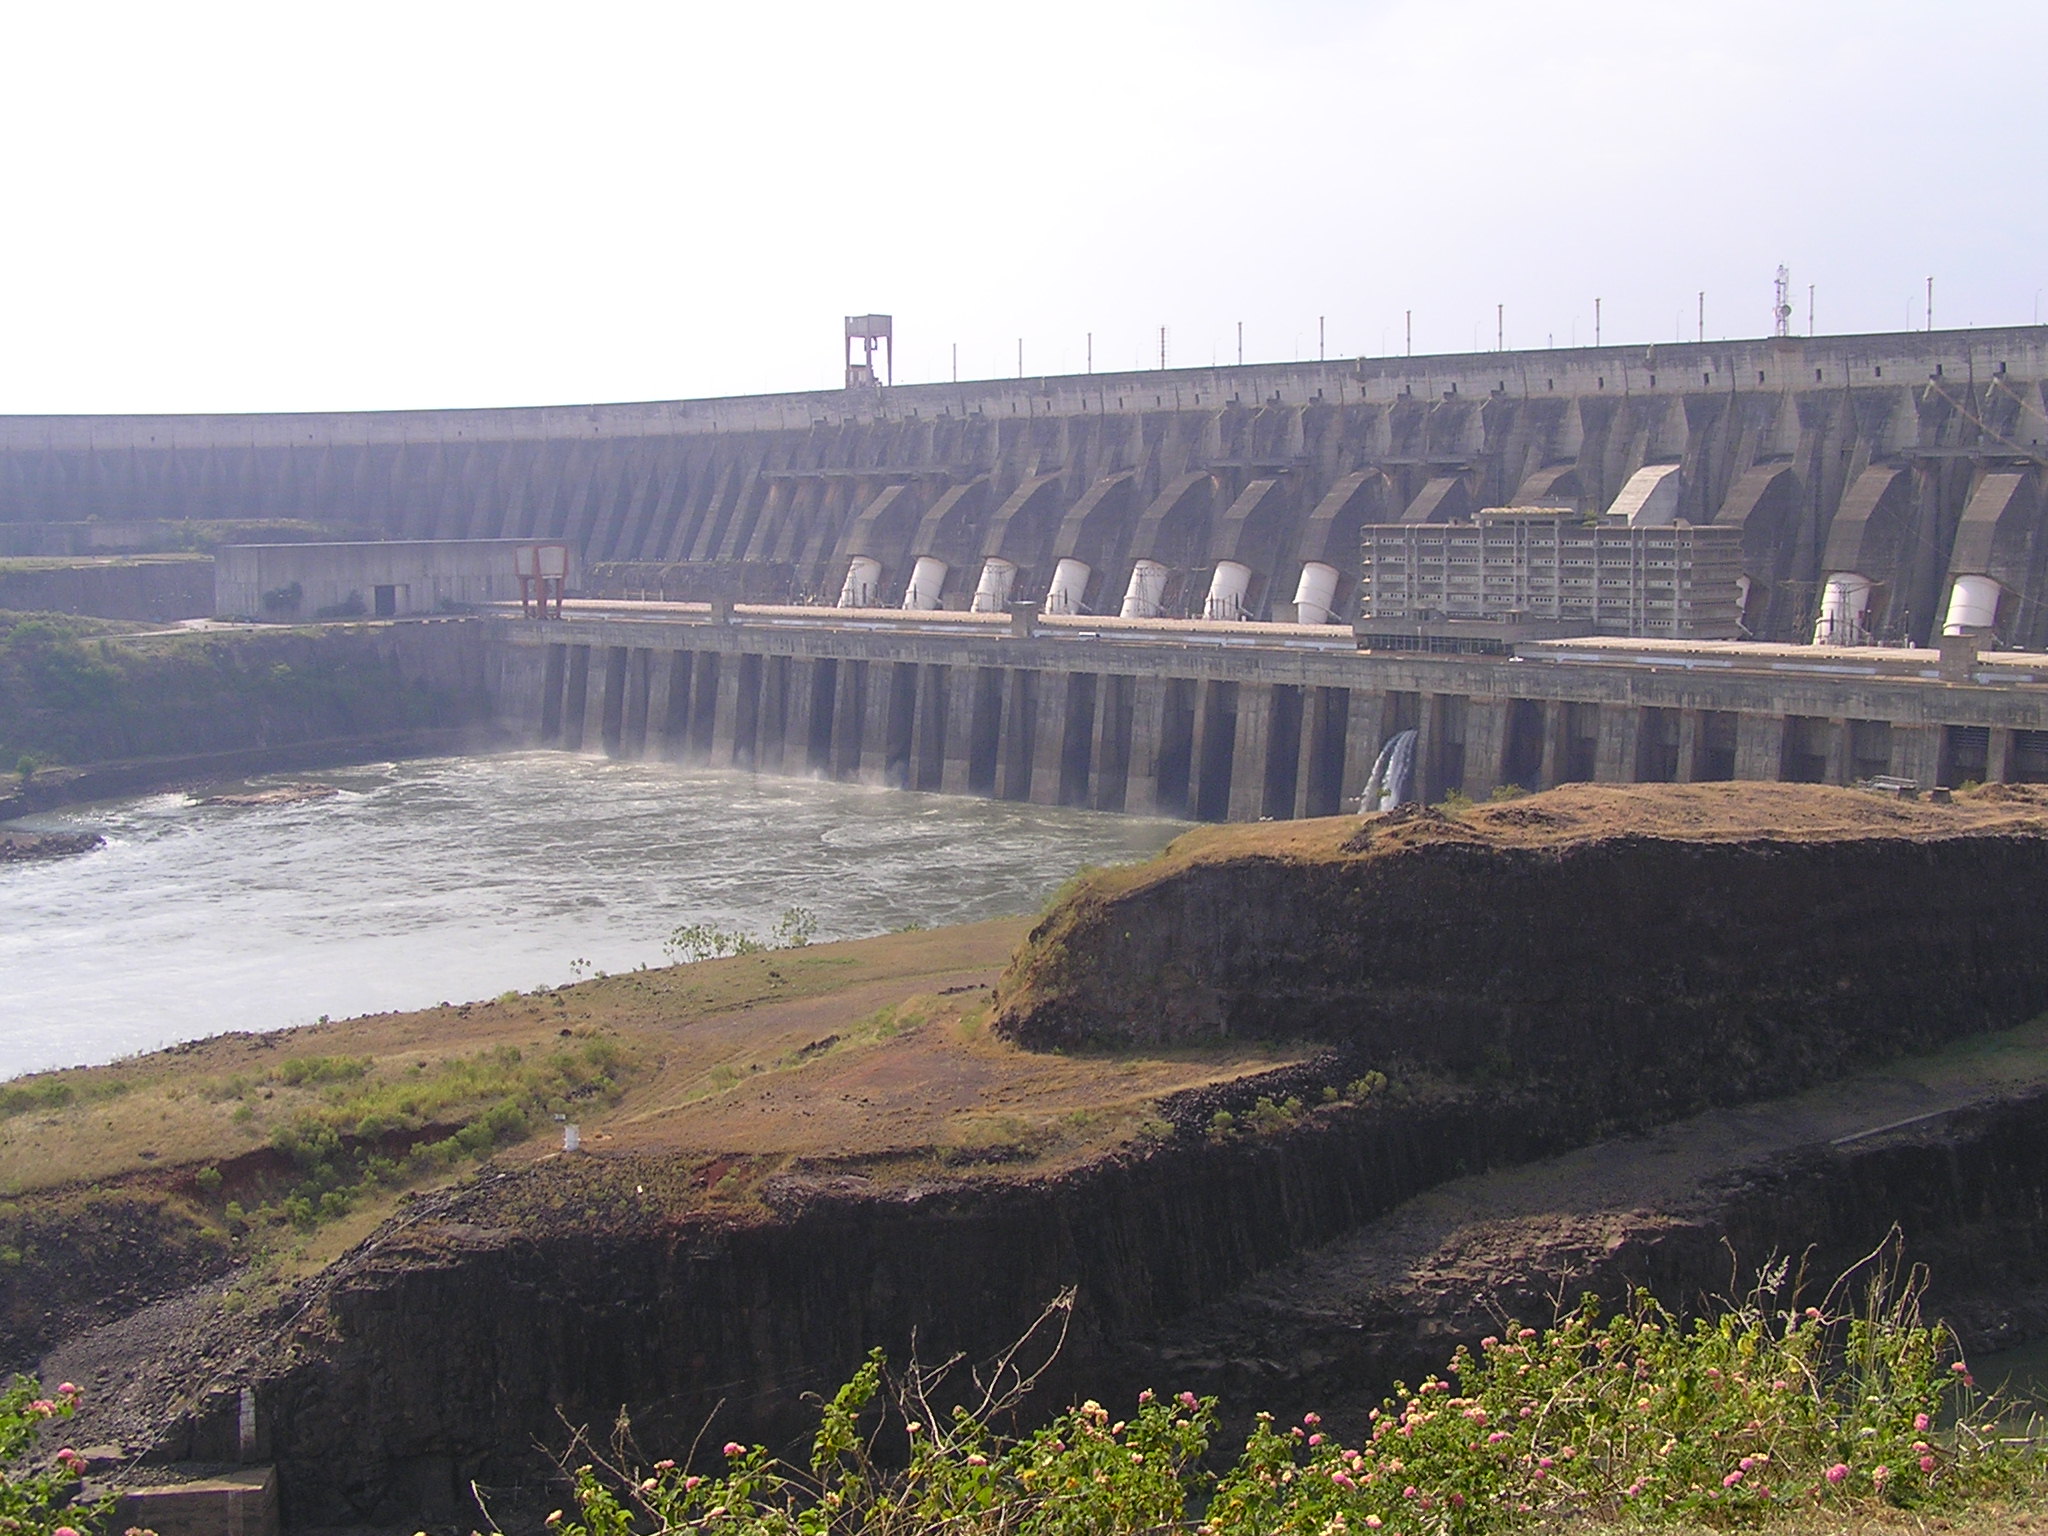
(1092, 589)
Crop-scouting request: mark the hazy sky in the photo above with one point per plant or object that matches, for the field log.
(300, 205)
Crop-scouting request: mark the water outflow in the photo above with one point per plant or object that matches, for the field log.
(1393, 775)
(459, 878)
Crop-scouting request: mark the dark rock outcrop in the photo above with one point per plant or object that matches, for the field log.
(1636, 968)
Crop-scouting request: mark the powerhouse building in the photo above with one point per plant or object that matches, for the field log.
(1542, 564)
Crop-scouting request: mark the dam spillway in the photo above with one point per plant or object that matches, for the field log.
(1220, 721)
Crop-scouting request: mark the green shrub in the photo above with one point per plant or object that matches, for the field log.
(300, 1071)
(1267, 1116)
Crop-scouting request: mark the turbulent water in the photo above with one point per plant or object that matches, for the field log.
(460, 878)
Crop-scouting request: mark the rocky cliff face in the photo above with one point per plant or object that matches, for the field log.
(459, 1349)
(1640, 952)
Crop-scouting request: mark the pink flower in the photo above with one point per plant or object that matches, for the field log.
(66, 1389)
(1372, 1522)
(1187, 1401)
(664, 1466)
(64, 1530)
(1526, 1335)
(690, 1484)
(1342, 1480)
(734, 1448)
(1837, 1473)
(1408, 1492)
(1144, 1397)
(1926, 1463)
(977, 1460)
(1731, 1479)
(1489, 1342)
(1881, 1476)
(1748, 1463)
(1315, 1439)
(1311, 1419)
(1921, 1422)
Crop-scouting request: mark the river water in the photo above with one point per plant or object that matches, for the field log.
(460, 878)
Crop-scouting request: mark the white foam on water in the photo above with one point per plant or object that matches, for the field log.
(460, 878)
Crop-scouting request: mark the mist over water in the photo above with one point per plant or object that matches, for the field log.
(459, 878)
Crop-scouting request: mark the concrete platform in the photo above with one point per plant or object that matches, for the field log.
(237, 1502)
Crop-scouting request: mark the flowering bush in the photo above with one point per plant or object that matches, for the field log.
(1729, 1419)
(1722, 1422)
(37, 1501)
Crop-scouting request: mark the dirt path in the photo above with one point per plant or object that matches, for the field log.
(1390, 1296)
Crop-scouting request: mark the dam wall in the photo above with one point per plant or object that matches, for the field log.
(1907, 459)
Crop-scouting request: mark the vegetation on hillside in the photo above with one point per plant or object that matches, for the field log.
(75, 690)
(1763, 1410)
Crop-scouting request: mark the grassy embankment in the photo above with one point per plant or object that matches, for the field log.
(868, 1056)
(84, 691)
(18, 565)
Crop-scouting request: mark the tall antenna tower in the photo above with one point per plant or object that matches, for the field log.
(1781, 310)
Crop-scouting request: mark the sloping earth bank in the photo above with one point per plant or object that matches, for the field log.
(795, 1185)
